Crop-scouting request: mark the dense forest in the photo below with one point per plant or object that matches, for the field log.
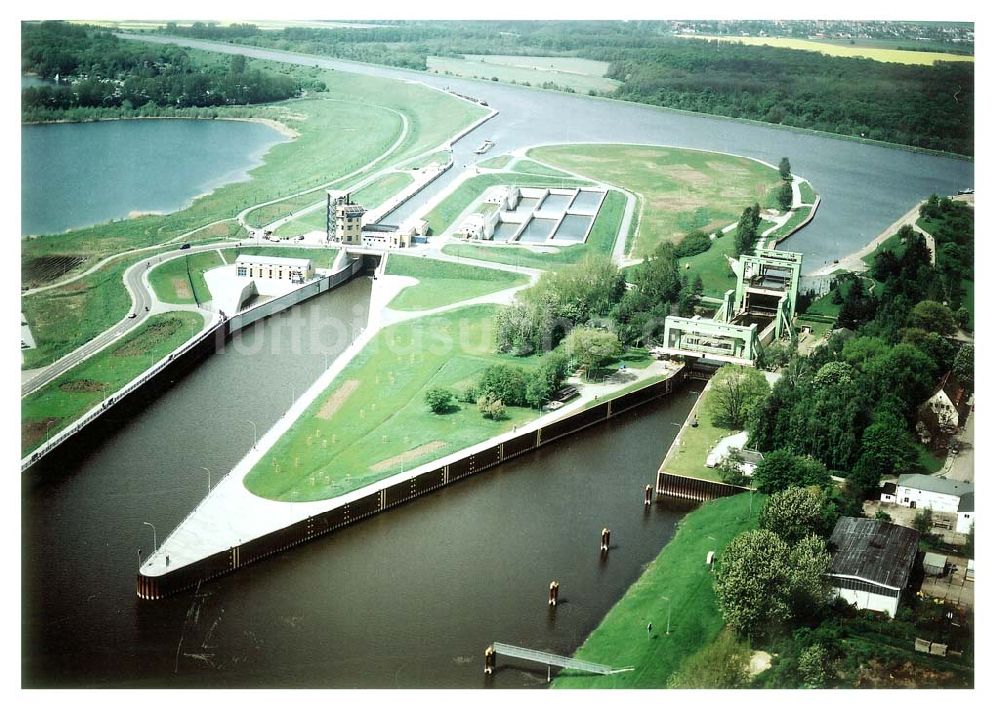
(923, 106)
(98, 71)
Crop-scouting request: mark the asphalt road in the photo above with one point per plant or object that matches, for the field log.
(142, 302)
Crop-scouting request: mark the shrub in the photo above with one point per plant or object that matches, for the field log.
(491, 407)
(696, 242)
(438, 400)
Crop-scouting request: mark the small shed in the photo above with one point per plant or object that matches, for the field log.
(934, 564)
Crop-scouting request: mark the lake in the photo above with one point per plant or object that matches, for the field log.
(78, 174)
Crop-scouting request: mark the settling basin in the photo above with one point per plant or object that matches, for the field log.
(409, 598)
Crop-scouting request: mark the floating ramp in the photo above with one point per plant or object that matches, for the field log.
(547, 658)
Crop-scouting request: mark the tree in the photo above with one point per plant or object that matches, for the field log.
(964, 367)
(785, 196)
(731, 469)
(785, 169)
(751, 582)
(438, 400)
(813, 663)
(491, 407)
(922, 522)
(933, 317)
(746, 230)
(782, 469)
(735, 392)
(504, 382)
(795, 513)
(809, 586)
(591, 347)
(547, 379)
(886, 449)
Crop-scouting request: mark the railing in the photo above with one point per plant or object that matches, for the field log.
(547, 658)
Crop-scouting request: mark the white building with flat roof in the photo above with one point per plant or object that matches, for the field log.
(293, 270)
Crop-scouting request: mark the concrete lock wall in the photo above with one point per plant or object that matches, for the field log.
(87, 433)
(189, 576)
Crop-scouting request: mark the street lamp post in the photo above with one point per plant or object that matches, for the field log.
(154, 534)
(209, 477)
(254, 432)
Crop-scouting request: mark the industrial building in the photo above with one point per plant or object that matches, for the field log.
(294, 270)
(871, 561)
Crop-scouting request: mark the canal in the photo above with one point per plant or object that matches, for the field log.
(409, 598)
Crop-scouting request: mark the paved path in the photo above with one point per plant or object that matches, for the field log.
(144, 304)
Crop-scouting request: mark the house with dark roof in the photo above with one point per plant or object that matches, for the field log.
(943, 414)
(871, 562)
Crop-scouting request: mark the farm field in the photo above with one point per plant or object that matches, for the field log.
(676, 584)
(601, 241)
(444, 283)
(63, 400)
(681, 190)
(372, 421)
(581, 75)
(833, 49)
(182, 280)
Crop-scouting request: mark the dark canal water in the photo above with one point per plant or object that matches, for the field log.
(410, 598)
(77, 174)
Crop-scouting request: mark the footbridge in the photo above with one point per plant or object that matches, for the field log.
(547, 658)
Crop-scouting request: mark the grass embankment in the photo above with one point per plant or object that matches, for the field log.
(530, 167)
(716, 275)
(496, 162)
(578, 75)
(67, 317)
(369, 197)
(682, 190)
(372, 420)
(678, 573)
(807, 193)
(346, 126)
(62, 401)
(441, 157)
(442, 216)
(444, 283)
(601, 241)
(879, 54)
(691, 447)
(321, 257)
(182, 280)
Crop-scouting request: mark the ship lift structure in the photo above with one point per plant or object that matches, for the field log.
(756, 313)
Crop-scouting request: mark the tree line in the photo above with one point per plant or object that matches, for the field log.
(98, 71)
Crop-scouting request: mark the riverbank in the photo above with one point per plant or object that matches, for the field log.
(282, 128)
(676, 587)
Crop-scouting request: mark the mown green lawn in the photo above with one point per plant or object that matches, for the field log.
(531, 167)
(444, 283)
(807, 192)
(374, 412)
(601, 241)
(496, 162)
(442, 216)
(683, 190)
(687, 456)
(66, 398)
(182, 280)
(716, 275)
(677, 584)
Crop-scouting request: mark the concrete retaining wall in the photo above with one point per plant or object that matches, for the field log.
(98, 422)
(156, 587)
